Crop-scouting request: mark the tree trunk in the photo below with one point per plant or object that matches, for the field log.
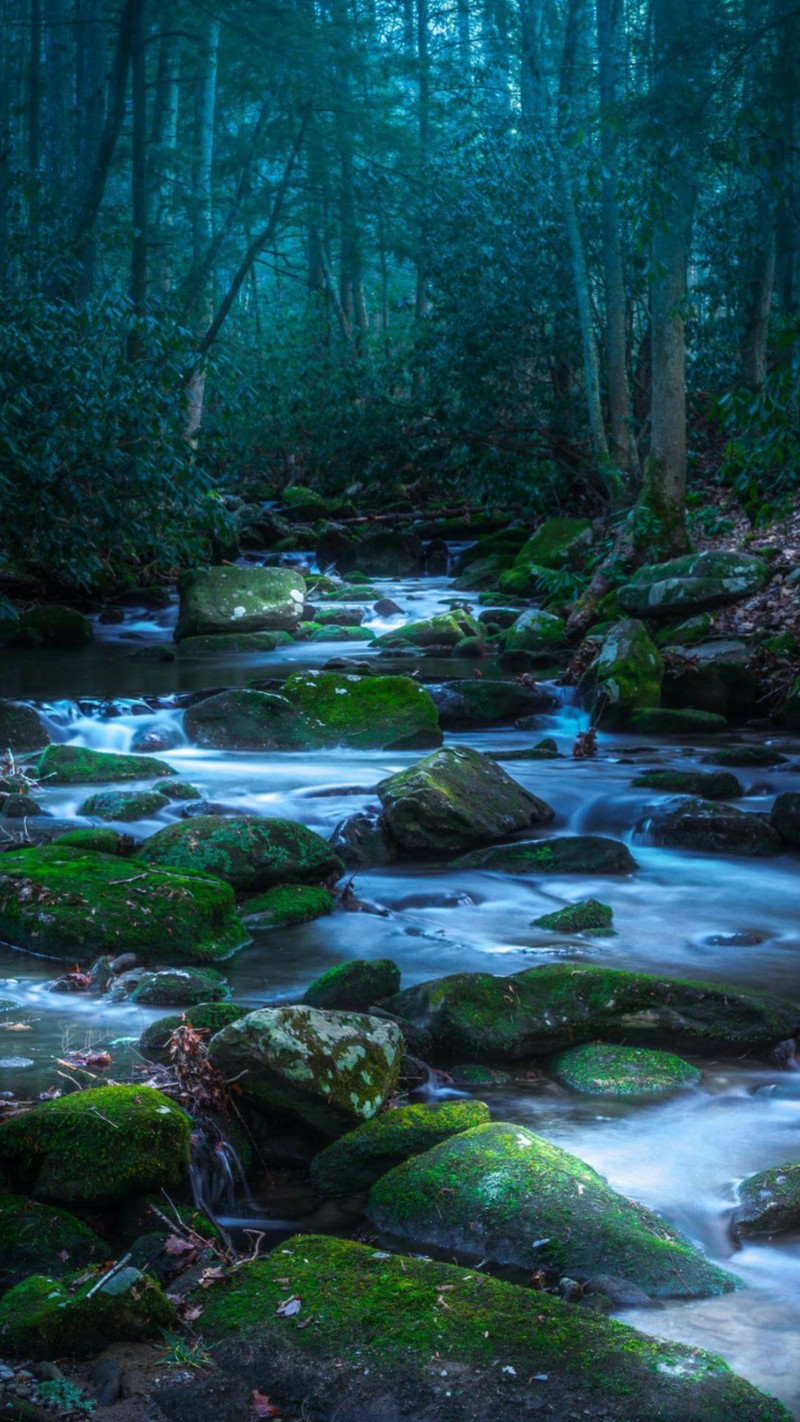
(202, 212)
(762, 283)
(464, 40)
(424, 125)
(34, 116)
(58, 106)
(622, 444)
(497, 60)
(164, 149)
(138, 183)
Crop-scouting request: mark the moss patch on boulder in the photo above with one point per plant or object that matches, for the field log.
(537, 631)
(173, 987)
(77, 765)
(246, 851)
(97, 1147)
(357, 1160)
(625, 676)
(464, 703)
(685, 822)
(288, 904)
(585, 916)
(98, 841)
(708, 784)
(558, 543)
(215, 644)
(124, 805)
(237, 599)
(21, 728)
(567, 854)
(745, 756)
(599, 1069)
(206, 1017)
(445, 629)
(364, 712)
(45, 1317)
(354, 986)
(40, 1239)
(51, 626)
(769, 1202)
(693, 583)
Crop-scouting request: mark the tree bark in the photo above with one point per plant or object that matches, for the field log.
(202, 212)
(424, 128)
(138, 183)
(164, 149)
(58, 149)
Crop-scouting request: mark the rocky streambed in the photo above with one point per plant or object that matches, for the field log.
(369, 875)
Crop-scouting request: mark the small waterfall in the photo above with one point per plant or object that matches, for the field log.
(217, 1176)
(119, 725)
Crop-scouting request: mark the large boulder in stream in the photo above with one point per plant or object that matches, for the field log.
(332, 1070)
(76, 904)
(692, 583)
(784, 817)
(77, 765)
(718, 678)
(52, 626)
(684, 822)
(479, 1017)
(247, 851)
(625, 675)
(355, 986)
(400, 1338)
(237, 599)
(21, 728)
(564, 854)
(769, 1202)
(558, 543)
(357, 1160)
(387, 554)
(516, 1199)
(97, 1147)
(454, 798)
(537, 631)
(463, 703)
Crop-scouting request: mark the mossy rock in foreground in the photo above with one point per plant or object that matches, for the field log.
(598, 1069)
(40, 1239)
(586, 916)
(288, 904)
(354, 986)
(363, 712)
(708, 784)
(97, 841)
(206, 1017)
(479, 1017)
(45, 1318)
(76, 904)
(769, 1202)
(97, 1147)
(516, 1199)
(171, 987)
(357, 1160)
(249, 852)
(77, 765)
(380, 1319)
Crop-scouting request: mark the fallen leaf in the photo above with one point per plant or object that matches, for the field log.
(261, 1406)
(289, 1307)
(176, 1246)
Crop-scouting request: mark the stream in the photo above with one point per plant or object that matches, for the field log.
(726, 920)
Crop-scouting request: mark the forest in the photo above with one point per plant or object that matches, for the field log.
(399, 710)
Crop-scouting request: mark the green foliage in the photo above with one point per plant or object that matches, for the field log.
(96, 476)
(65, 1396)
(762, 427)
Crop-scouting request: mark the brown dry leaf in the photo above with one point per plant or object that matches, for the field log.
(176, 1246)
(262, 1406)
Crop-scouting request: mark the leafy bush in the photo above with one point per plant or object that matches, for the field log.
(96, 477)
(762, 453)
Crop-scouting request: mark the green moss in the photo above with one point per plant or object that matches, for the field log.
(238, 599)
(365, 713)
(288, 904)
(216, 644)
(517, 1199)
(43, 1317)
(568, 854)
(124, 805)
(206, 1017)
(247, 851)
(625, 676)
(355, 986)
(39, 1239)
(598, 1069)
(711, 785)
(536, 631)
(245, 719)
(76, 904)
(541, 1010)
(692, 583)
(769, 1202)
(77, 765)
(179, 790)
(52, 627)
(671, 721)
(98, 1146)
(745, 756)
(585, 916)
(21, 729)
(181, 987)
(333, 632)
(385, 1314)
(445, 629)
(97, 841)
(686, 634)
(354, 1162)
(546, 749)
(558, 543)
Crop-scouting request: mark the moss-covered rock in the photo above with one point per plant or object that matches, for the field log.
(74, 904)
(542, 1010)
(454, 798)
(52, 627)
(361, 841)
(40, 1239)
(537, 631)
(339, 616)
(357, 1160)
(19, 806)
(558, 543)
(331, 1070)
(364, 713)
(625, 676)
(171, 987)
(684, 822)
(355, 986)
(675, 721)
(45, 1317)
(760, 757)
(517, 1199)
(718, 677)
(599, 1069)
(444, 629)
(464, 703)
(98, 1146)
(97, 841)
(179, 790)
(213, 644)
(693, 583)
(245, 719)
(21, 728)
(288, 904)
(785, 817)
(567, 854)
(585, 916)
(546, 749)
(523, 580)
(380, 1319)
(238, 599)
(336, 632)
(709, 784)
(689, 633)
(77, 765)
(769, 1202)
(206, 1017)
(124, 805)
(247, 851)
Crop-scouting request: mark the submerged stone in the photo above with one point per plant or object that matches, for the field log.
(685, 822)
(98, 1146)
(77, 765)
(379, 1320)
(357, 1160)
(599, 1069)
(331, 1070)
(237, 599)
(355, 986)
(566, 854)
(75, 904)
(454, 798)
(516, 1199)
(542, 1010)
(247, 851)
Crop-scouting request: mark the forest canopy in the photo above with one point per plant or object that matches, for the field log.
(541, 255)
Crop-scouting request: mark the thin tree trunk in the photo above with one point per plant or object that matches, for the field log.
(138, 184)
(5, 138)
(58, 105)
(762, 283)
(497, 59)
(34, 124)
(464, 40)
(90, 105)
(622, 444)
(424, 123)
(164, 149)
(202, 212)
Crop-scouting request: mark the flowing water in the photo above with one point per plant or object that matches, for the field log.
(729, 920)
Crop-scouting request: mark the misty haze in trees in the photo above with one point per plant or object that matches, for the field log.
(543, 254)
